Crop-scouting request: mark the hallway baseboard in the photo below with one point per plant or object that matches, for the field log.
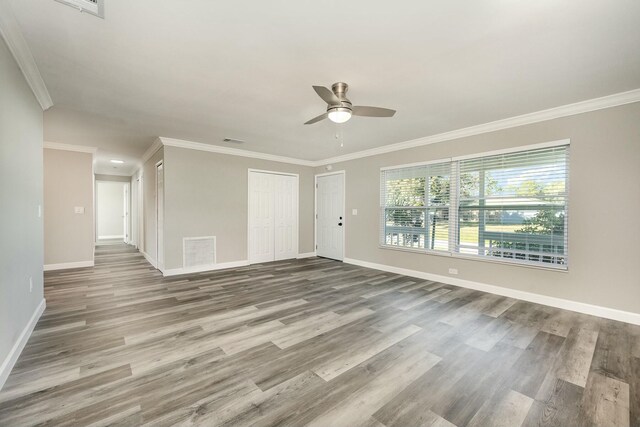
(67, 265)
(12, 357)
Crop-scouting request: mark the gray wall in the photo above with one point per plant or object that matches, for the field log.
(21, 247)
(206, 194)
(110, 209)
(604, 209)
(149, 202)
(68, 182)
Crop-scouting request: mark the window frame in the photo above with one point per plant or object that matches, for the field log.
(426, 208)
(454, 208)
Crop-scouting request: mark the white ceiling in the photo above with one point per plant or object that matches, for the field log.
(201, 70)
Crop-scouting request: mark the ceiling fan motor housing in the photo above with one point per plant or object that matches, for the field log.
(340, 89)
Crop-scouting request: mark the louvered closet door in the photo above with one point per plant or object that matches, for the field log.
(261, 217)
(286, 216)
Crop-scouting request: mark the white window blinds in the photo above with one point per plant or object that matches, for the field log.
(415, 203)
(514, 206)
(511, 207)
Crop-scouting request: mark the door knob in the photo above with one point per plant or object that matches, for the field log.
(340, 224)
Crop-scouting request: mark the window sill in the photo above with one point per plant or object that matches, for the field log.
(561, 268)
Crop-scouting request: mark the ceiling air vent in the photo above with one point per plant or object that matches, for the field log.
(93, 7)
(198, 251)
(235, 141)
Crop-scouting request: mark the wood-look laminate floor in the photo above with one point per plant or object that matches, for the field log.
(311, 342)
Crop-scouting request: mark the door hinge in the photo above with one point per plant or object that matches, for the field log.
(316, 185)
(316, 216)
(316, 246)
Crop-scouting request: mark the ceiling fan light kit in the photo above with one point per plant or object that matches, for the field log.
(340, 109)
(339, 114)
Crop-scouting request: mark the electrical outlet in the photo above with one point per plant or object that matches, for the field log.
(30, 284)
(354, 211)
(453, 271)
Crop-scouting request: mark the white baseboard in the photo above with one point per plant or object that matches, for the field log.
(111, 237)
(580, 307)
(200, 269)
(67, 265)
(149, 259)
(11, 359)
(306, 255)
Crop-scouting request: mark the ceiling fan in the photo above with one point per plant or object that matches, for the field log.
(340, 109)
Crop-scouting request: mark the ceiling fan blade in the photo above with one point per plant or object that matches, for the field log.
(328, 96)
(373, 111)
(317, 119)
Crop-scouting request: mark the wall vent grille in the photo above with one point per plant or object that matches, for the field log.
(93, 7)
(198, 251)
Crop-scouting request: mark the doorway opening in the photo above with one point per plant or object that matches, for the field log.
(112, 212)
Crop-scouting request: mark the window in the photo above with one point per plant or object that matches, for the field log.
(415, 206)
(509, 206)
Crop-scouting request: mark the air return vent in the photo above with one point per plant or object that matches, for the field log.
(93, 7)
(198, 251)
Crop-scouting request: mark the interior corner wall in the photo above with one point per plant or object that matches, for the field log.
(21, 242)
(68, 183)
(149, 203)
(604, 209)
(134, 210)
(206, 194)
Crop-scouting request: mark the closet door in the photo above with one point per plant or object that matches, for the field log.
(286, 216)
(261, 217)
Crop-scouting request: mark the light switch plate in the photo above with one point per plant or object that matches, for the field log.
(79, 209)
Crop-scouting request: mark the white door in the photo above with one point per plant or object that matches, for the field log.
(140, 215)
(133, 238)
(273, 217)
(261, 217)
(125, 215)
(330, 216)
(286, 216)
(160, 216)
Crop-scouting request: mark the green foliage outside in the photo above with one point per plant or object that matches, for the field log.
(409, 193)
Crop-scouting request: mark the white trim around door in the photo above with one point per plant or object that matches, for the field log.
(344, 217)
(160, 215)
(293, 214)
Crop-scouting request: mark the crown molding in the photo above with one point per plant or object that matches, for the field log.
(10, 31)
(69, 147)
(604, 102)
(511, 122)
(123, 174)
(234, 151)
(157, 144)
